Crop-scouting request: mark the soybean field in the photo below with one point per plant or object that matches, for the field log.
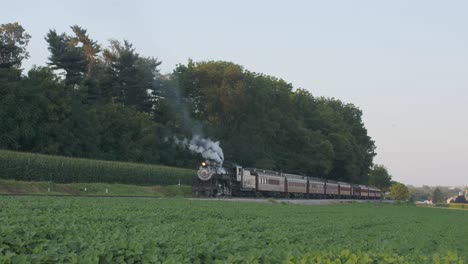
(141, 230)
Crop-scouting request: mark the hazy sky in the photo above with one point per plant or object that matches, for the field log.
(404, 63)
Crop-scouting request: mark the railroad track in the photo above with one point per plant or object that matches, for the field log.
(293, 201)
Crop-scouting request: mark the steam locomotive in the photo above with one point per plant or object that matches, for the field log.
(234, 180)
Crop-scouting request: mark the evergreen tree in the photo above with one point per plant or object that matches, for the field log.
(131, 79)
(66, 56)
(437, 196)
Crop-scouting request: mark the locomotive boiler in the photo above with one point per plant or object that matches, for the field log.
(214, 180)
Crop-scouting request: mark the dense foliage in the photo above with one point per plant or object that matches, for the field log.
(112, 103)
(93, 230)
(379, 177)
(399, 191)
(38, 167)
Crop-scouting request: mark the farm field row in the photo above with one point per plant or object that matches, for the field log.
(130, 230)
(12, 187)
(24, 166)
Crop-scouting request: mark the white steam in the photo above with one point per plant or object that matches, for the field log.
(206, 147)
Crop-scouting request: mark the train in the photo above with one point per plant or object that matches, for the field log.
(232, 180)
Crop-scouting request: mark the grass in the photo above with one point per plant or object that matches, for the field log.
(132, 230)
(91, 189)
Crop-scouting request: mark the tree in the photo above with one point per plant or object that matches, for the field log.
(75, 54)
(129, 77)
(90, 48)
(13, 43)
(354, 149)
(114, 104)
(66, 56)
(262, 122)
(399, 192)
(14, 99)
(420, 193)
(437, 196)
(379, 177)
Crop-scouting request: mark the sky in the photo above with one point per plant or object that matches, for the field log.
(403, 63)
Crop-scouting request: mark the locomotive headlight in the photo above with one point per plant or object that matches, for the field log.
(203, 164)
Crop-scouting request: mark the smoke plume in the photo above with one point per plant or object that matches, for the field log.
(209, 149)
(206, 147)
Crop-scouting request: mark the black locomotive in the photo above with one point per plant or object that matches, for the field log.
(234, 180)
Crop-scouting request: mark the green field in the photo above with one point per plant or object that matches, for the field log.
(91, 189)
(144, 230)
(23, 166)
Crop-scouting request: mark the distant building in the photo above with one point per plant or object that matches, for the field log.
(460, 198)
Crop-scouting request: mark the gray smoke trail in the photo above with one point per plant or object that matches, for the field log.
(209, 150)
(206, 147)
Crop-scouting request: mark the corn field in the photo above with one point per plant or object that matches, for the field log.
(38, 167)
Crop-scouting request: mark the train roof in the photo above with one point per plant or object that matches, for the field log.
(269, 172)
(303, 177)
(294, 176)
(344, 183)
(317, 179)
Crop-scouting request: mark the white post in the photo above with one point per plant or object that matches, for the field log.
(107, 190)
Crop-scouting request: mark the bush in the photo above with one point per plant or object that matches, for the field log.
(399, 191)
(38, 167)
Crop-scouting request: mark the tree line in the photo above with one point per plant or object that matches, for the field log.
(110, 102)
